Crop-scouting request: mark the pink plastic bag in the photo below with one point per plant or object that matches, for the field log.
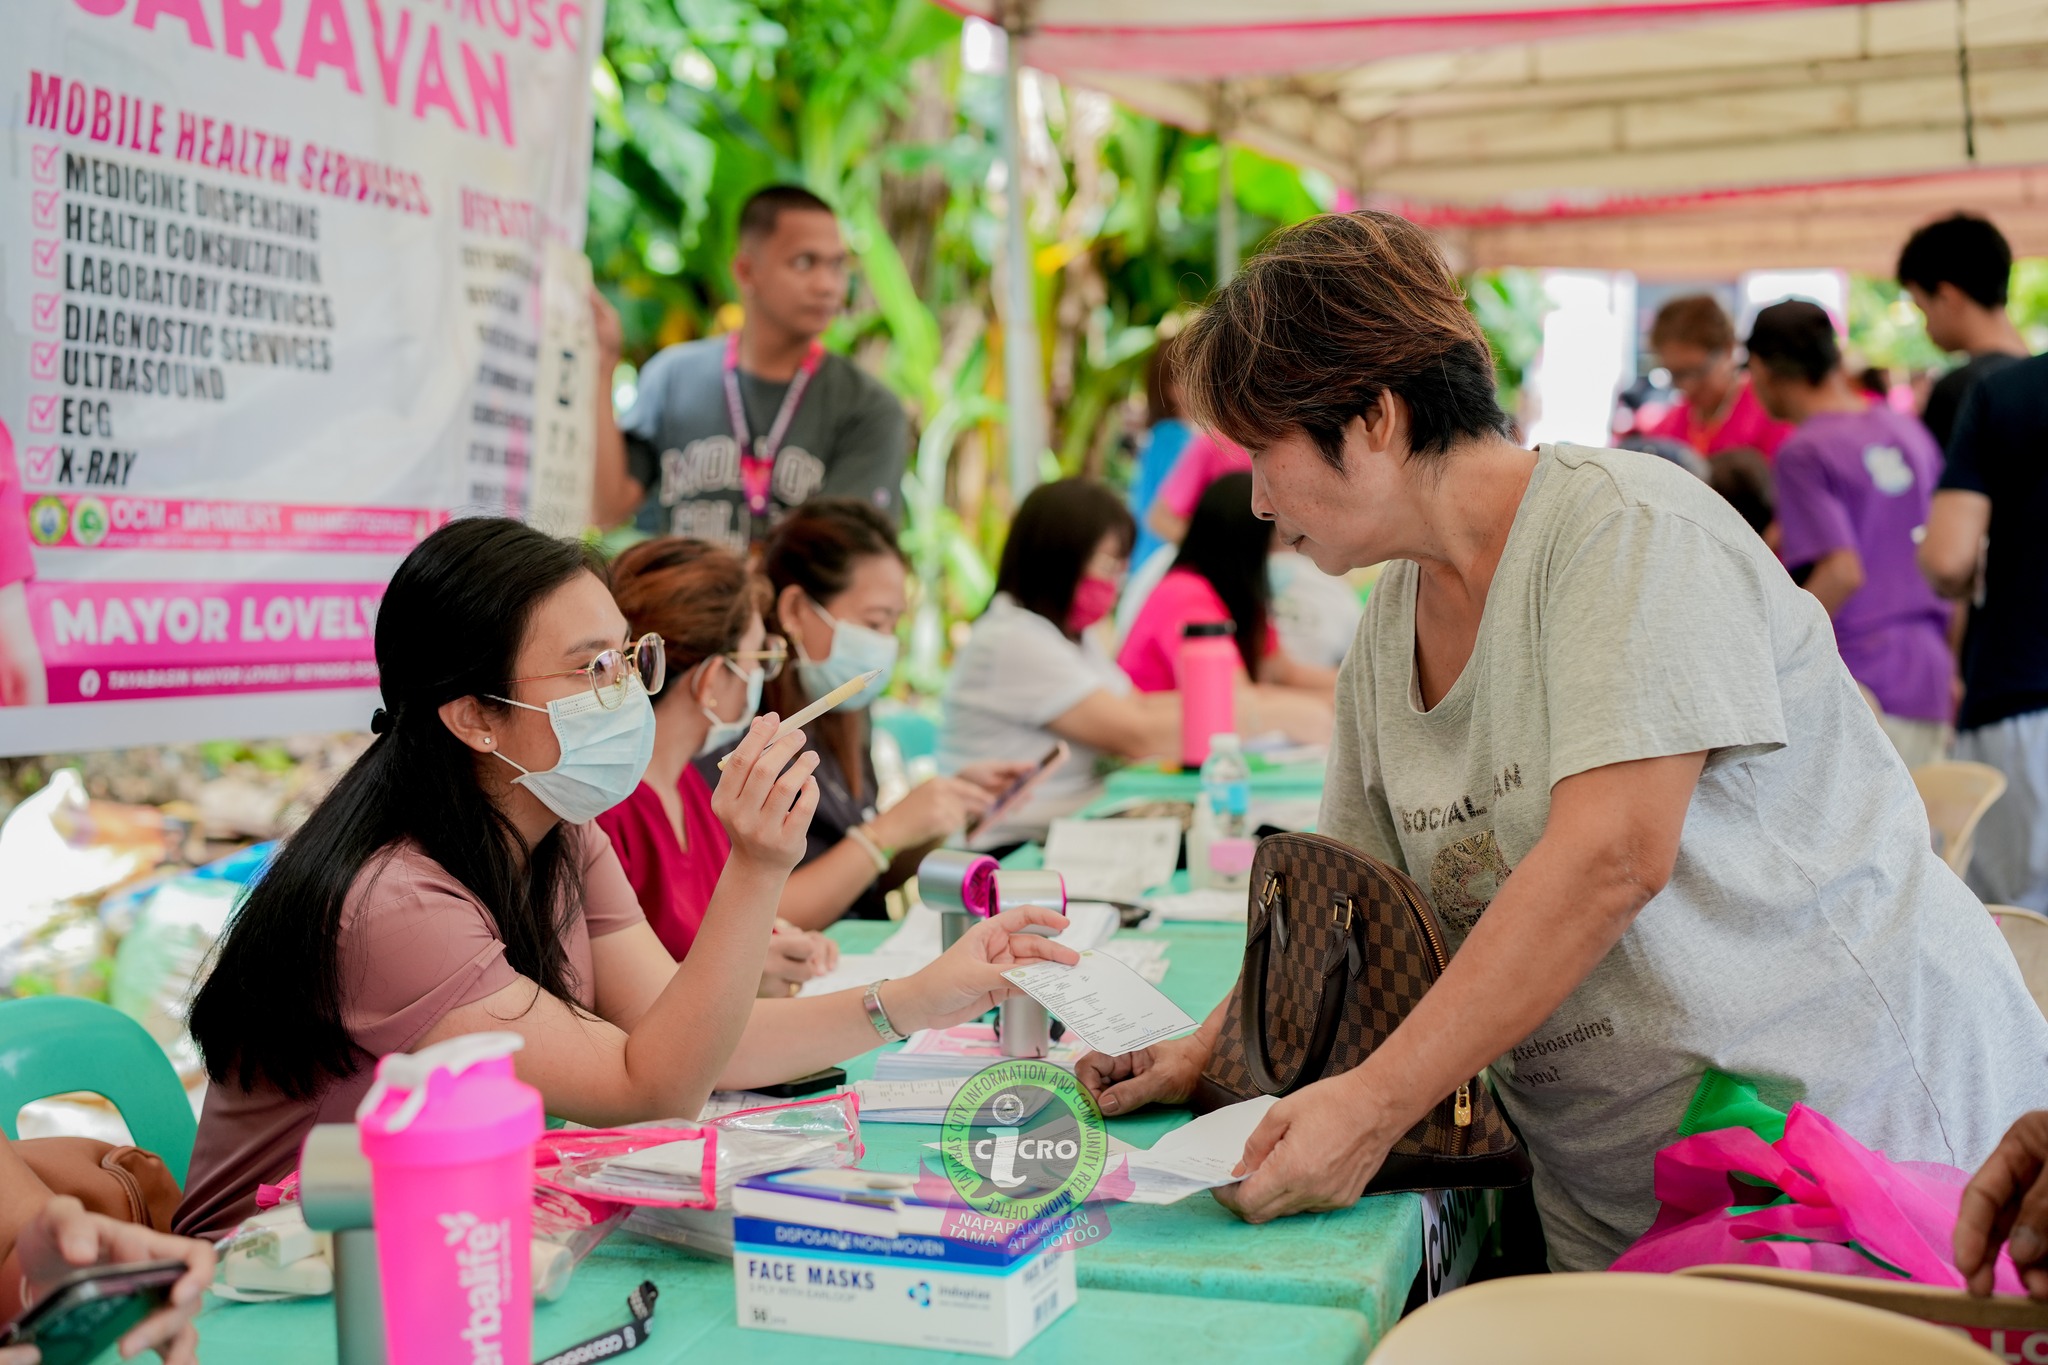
(1853, 1211)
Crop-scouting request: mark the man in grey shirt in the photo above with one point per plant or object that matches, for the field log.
(727, 433)
(1592, 716)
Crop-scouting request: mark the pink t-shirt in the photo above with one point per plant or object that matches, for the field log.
(415, 947)
(673, 884)
(1151, 651)
(17, 561)
(1208, 458)
(1747, 424)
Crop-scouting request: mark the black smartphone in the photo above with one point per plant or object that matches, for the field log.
(831, 1078)
(1018, 786)
(87, 1311)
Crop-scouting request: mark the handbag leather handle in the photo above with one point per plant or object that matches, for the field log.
(1329, 1008)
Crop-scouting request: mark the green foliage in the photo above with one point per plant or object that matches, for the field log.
(699, 102)
(1510, 305)
(1886, 330)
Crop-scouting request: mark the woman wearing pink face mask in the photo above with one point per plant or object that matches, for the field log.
(1033, 673)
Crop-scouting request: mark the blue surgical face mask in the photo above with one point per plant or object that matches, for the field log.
(855, 650)
(604, 753)
(723, 734)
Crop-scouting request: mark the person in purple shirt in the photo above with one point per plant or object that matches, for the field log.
(1854, 483)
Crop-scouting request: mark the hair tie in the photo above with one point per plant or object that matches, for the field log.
(381, 722)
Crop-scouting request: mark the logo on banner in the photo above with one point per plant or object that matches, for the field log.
(1023, 1140)
(89, 521)
(47, 520)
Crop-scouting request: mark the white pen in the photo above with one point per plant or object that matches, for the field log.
(843, 692)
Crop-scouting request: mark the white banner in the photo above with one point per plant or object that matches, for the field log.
(274, 277)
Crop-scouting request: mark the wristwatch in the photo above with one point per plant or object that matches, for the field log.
(871, 1001)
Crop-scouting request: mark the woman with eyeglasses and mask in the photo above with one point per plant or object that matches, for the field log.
(705, 607)
(840, 589)
(451, 883)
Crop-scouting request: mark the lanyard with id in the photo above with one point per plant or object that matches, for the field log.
(757, 459)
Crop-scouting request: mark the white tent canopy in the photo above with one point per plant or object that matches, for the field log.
(1665, 137)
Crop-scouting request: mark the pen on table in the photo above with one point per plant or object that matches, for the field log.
(843, 692)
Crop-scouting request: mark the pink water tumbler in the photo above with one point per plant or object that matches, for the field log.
(1207, 665)
(449, 1133)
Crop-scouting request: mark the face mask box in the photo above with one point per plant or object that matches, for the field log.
(889, 1275)
(820, 1291)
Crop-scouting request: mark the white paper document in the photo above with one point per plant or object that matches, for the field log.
(922, 1100)
(1112, 859)
(1197, 1156)
(1207, 904)
(1103, 1002)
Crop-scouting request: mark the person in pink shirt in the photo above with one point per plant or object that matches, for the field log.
(707, 607)
(21, 663)
(1717, 410)
(1207, 458)
(1219, 575)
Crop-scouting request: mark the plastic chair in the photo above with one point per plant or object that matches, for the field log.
(2026, 933)
(1674, 1320)
(56, 1044)
(1956, 796)
(2018, 1317)
(916, 734)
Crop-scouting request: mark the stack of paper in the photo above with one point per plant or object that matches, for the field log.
(676, 1169)
(1205, 905)
(1113, 859)
(1196, 1156)
(919, 1101)
(958, 1051)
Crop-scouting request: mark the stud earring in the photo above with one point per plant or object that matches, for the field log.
(488, 741)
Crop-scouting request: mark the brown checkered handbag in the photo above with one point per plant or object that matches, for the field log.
(1338, 948)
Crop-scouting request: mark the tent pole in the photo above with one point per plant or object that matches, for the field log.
(1020, 325)
(1226, 217)
(1221, 119)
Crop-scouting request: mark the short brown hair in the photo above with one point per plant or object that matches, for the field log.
(1693, 320)
(696, 596)
(1330, 317)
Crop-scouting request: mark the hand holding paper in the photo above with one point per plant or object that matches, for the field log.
(1103, 1002)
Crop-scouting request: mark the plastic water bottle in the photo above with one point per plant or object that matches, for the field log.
(1206, 670)
(1220, 843)
(449, 1133)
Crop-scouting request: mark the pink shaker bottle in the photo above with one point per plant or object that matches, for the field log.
(449, 1133)
(1208, 665)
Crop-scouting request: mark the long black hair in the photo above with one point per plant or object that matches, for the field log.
(270, 1012)
(1228, 545)
(1052, 538)
(815, 549)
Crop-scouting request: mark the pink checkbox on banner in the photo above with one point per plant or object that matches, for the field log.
(44, 159)
(42, 360)
(43, 311)
(43, 254)
(46, 209)
(41, 463)
(42, 412)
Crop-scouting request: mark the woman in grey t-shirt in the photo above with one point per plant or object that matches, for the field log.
(1590, 714)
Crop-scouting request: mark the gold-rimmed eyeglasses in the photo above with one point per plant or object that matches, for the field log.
(772, 655)
(609, 672)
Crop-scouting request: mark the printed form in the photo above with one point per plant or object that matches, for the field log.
(1103, 1002)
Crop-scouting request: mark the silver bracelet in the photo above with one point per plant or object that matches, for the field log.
(871, 1001)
